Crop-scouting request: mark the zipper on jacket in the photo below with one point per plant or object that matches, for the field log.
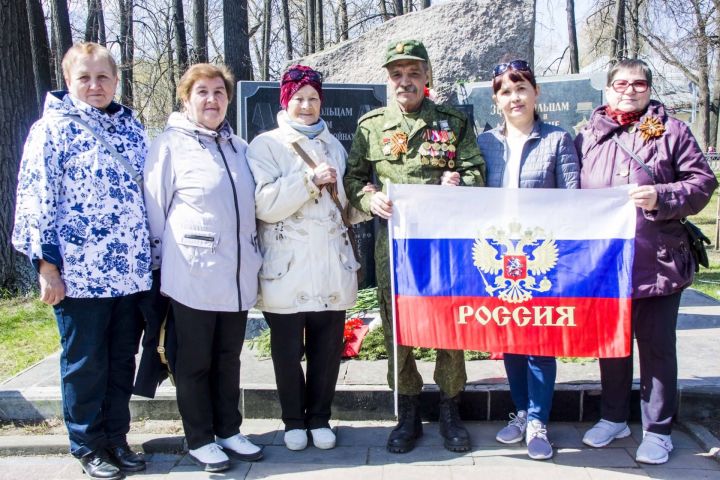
(237, 221)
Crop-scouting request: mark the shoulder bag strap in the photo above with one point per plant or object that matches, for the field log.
(635, 157)
(121, 160)
(332, 190)
(645, 167)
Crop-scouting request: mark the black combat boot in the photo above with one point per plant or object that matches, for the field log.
(457, 438)
(409, 427)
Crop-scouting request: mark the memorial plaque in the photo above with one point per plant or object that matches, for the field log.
(566, 101)
(343, 104)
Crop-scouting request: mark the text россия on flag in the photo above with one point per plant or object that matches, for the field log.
(530, 271)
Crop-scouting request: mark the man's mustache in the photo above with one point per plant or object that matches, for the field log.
(410, 89)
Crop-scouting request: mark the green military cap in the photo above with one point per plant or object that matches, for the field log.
(405, 50)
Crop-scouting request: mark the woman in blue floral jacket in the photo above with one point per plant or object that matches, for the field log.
(81, 219)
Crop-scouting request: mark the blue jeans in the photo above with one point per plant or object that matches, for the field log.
(532, 383)
(99, 338)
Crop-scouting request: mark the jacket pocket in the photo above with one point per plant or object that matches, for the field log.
(348, 262)
(276, 266)
(198, 247)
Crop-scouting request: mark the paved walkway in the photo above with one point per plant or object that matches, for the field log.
(361, 450)
(361, 455)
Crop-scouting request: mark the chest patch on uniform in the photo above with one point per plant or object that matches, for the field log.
(395, 144)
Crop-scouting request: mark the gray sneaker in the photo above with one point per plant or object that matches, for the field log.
(538, 445)
(514, 432)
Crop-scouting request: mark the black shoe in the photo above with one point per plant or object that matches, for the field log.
(97, 465)
(409, 427)
(125, 459)
(457, 438)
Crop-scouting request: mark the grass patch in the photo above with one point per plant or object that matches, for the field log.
(28, 333)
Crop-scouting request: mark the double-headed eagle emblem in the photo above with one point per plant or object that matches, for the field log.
(520, 256)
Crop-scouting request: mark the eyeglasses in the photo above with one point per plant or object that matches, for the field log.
(295, 74)
(520, 65)
(621, 86)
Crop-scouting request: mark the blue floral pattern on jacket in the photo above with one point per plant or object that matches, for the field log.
(77, 206)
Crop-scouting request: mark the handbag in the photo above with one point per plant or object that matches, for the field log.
(332, 190)
(697, 239)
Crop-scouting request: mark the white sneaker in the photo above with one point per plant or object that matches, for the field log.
(296, 439)
(240, 447)
(323, 438)
(604, 432)
(654, 448)
(210, 457)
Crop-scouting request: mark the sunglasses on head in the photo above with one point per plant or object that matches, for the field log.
(520, 65)
(621, 86)
(295, 74)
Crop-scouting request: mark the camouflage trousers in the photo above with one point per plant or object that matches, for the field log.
(449, 372)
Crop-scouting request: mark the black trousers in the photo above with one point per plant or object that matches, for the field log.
(654, 321)
(306, 400)
(207, 372)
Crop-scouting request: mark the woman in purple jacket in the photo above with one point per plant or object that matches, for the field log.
(632, 140)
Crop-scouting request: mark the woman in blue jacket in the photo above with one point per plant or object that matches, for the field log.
(525, 152)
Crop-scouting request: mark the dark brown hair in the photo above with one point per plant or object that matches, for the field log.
(514, 76)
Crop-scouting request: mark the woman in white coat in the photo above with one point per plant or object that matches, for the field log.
(200, 199)
(308, 278)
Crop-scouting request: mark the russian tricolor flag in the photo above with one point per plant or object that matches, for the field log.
(531, 271)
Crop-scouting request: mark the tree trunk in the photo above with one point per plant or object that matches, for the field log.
(344, 23)
(180, 36)
(17, 112)
(40, 51)
(633, 39)
(286, 29)
(267, 26)
(127, 52)
(714, 106)
(383, 11)
(91, 30)
(63, 36)
(572, 37)
(169, 23)
(311, 24)
(320, 26)
(617, 44)
(703, 125)
(237, 47)
(102, 38)
(200, 35)
(398, 7)
(408, 6)
(425, 4)
(715, 100)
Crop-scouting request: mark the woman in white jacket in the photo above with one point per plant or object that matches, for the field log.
(308, 278)
(200, 199)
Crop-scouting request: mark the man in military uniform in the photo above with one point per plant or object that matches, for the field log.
(413, 140)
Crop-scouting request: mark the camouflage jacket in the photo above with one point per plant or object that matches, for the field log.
(441, 139)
